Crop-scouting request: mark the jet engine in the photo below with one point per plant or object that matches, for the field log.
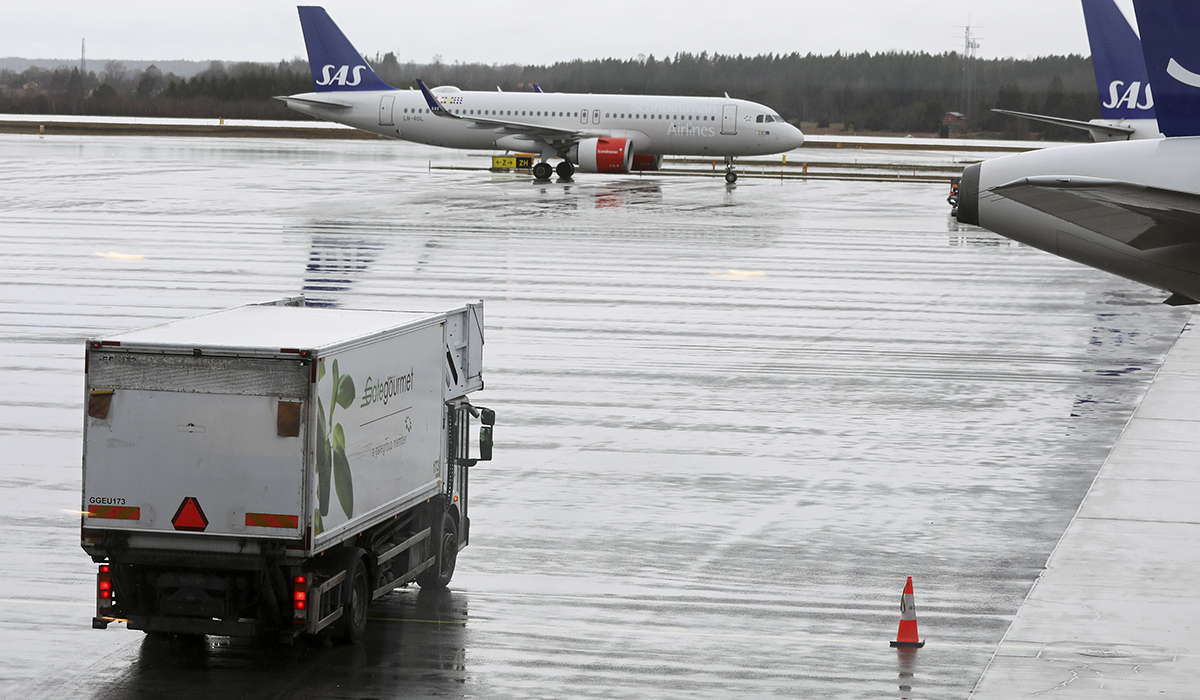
(644, 161)
(603, 155)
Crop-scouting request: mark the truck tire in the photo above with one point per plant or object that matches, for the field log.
(355, 600)
(439, 575)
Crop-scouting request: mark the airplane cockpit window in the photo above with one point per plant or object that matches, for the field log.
(759, 119)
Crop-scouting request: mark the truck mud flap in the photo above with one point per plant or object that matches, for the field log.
(184, 625)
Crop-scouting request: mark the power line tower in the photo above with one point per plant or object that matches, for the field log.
(970, 43)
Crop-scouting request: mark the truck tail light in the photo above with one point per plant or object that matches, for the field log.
(104, 591)
(300, 599)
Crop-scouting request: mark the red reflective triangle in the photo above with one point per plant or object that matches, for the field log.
(190, 516)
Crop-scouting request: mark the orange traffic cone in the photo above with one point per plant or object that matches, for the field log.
(907, 634)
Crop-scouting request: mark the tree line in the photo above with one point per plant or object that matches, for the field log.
(897, 92)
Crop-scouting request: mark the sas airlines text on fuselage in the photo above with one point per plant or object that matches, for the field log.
(340, 77)
(1129, 98)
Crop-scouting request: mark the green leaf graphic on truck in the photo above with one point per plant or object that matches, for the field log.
(331, 447)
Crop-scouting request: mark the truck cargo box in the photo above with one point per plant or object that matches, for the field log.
(269, 421)
(227, 453)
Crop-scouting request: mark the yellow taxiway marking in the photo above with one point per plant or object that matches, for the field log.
(120, 256)
(737, 274)
(723, 635)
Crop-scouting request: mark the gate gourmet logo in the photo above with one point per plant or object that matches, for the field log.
(340, 77)
(383, 389)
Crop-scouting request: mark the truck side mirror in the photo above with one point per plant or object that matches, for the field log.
(485, 443)
(487, 416)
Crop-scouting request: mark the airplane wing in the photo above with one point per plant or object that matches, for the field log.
(550, 134)
(1108, 129)
(1140, 216)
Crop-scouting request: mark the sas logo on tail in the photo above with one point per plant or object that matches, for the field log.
(1129, 99)
(340, 76)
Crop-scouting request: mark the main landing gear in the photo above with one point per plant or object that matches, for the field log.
(543, 170)
(730, 173)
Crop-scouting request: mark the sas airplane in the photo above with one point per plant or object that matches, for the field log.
(594, 133)
(1131, 208)
(1126, 100)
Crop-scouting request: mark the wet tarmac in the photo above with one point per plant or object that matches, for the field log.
(731, 420)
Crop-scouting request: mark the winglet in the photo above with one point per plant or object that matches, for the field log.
(434, 106)
(1117, 58)
(336, 66)
(1169, 28)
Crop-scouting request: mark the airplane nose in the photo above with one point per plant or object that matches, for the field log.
(795, 137)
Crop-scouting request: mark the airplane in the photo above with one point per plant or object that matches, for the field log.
(594, 133)
(1131, 208)
(1126, 100)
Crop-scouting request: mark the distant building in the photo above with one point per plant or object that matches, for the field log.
(32, 87)
(954, 119)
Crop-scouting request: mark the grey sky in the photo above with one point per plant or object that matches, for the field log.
(542, 32)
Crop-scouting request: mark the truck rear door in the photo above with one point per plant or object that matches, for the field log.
(197, 444)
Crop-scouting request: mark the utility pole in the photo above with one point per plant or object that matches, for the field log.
(83, 56)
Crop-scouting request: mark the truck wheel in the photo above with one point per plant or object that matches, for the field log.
(439, 575)
(354, 604)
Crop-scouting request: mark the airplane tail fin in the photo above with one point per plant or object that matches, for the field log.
(1169, 28)
(336, 66)
(1117, 59)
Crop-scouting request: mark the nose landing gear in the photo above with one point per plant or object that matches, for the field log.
(730, 172)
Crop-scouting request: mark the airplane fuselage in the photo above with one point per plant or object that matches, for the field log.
(656, 125)
(1166, 164)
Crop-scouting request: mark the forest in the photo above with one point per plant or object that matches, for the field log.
(883, 92)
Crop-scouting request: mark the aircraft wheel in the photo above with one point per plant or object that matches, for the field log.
(542, 171)
(730, 176)
(565, 170)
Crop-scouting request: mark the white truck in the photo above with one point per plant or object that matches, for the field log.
(269, 470)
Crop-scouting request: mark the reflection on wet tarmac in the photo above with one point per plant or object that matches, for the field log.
(416, 640)
(334, 263)
(731, 418)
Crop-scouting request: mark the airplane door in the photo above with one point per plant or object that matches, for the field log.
(386, 105)
(583, 117)
(596, 116)
(729, 119)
